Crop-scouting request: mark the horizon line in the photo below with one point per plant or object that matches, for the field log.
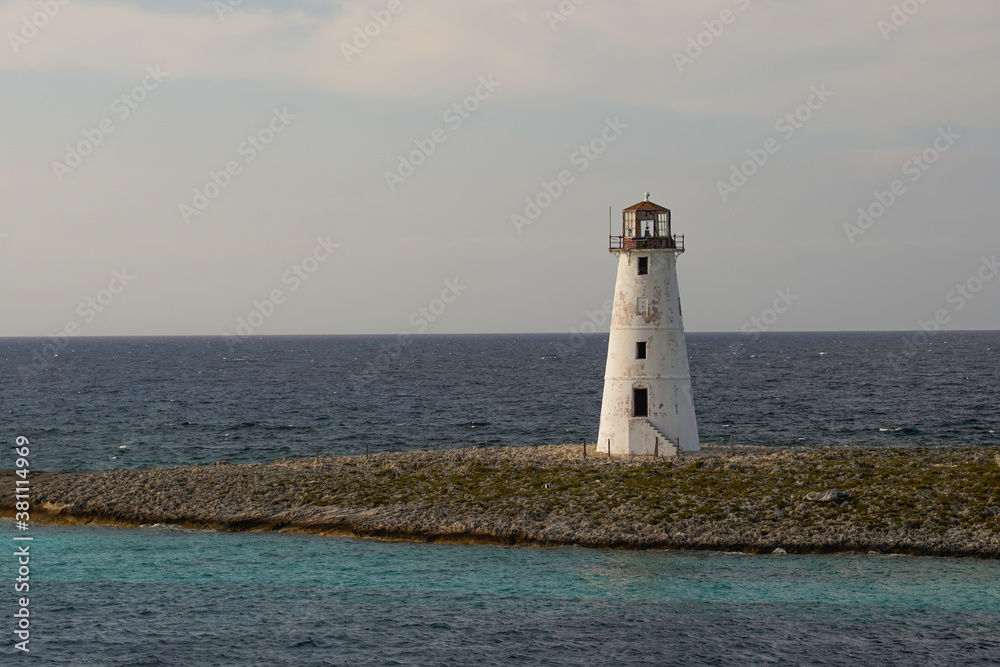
(521, 333)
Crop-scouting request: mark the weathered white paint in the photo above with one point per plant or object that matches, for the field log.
(664, 372)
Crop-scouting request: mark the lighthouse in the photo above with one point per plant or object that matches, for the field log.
(647, 407)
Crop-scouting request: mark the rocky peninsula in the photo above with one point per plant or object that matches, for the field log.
(919, 501)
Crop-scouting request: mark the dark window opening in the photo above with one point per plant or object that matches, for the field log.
(640, 402)
(640, 350)
(643, 266)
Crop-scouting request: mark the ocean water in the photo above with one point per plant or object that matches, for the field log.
(156, 596)
(162, 596)
(134, 402)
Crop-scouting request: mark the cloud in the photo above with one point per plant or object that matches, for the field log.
(425, 46)
(767, 56)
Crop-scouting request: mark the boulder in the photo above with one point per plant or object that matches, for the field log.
(828, 496)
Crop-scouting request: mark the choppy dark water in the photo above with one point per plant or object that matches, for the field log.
(178, 401)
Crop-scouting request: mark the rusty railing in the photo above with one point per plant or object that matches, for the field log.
(674, 242)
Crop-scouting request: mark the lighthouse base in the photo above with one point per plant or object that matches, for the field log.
(643, 439)
(669, 428)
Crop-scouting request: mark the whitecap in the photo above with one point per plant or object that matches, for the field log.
(165, 526)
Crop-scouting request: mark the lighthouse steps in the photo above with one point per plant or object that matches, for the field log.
(644, 439)
(667, 447)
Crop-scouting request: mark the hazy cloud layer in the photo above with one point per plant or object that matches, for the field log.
(776, 131)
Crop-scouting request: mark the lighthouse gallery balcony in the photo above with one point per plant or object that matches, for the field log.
(618, 243)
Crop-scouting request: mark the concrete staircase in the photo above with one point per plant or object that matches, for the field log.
(667, 447)
(645, 440)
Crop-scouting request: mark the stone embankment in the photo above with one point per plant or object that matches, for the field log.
(921, 501)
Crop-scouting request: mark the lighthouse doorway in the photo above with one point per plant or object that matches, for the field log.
(640, 402)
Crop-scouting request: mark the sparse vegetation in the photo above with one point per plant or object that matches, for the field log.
(942, 501)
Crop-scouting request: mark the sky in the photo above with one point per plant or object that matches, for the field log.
(445, 166)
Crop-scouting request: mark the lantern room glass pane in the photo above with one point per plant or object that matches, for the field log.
(663, 223)
(630, 224)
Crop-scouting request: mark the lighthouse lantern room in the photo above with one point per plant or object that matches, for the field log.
(647, 407)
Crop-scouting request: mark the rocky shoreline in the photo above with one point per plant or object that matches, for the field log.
(918, 501)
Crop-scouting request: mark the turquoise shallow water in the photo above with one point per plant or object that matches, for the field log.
(167, 596)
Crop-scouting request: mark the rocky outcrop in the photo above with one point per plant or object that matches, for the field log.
(931, 501)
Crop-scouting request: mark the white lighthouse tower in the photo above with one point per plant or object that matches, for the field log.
(647, 407)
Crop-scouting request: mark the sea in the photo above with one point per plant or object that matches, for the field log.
(159, 595)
